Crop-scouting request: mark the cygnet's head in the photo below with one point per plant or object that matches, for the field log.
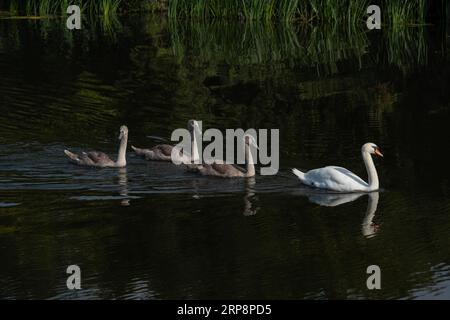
(193, 125)
(123, 132)
(250, 141)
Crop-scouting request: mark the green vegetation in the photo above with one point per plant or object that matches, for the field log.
(405, 12)
(248, 9)
(349, 12)
(42, 8)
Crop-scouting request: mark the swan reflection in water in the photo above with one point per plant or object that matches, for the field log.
(250, 197)
(368, 227)
(123, 186)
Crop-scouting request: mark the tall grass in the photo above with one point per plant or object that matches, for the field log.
(350, 12)
(45, 7)
(406, 47)
(105, 8)
(405, 12)
(234, 9)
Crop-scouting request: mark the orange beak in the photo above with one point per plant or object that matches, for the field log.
(378, 152)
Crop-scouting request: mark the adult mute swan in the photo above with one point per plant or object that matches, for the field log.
(225, 170)
(342, 180)
(100, 159)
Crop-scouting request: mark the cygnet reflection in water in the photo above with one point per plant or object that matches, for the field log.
(123, 186)
(250, 197)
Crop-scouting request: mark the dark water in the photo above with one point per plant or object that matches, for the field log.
(154, 231)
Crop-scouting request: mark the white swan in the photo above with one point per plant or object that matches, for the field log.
(100, 159)
(342, 180)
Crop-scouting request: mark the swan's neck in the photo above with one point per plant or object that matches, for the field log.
(249, 160)
(121, 157)
(195, 155)
(371, 172)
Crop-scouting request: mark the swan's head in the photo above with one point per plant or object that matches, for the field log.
(371, 148)
(250, 141)
(193, 125)
(123, 132)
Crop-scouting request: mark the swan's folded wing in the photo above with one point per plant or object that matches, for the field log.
(334, 178)
(345, 175)
(224, 168)
(97, 156)
(239, 168)
(165, 149)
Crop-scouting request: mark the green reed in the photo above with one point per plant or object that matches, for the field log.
(234, 9)
(405, 12)
(45, 7)
(406, 47)
(351, 12)
(105, 8)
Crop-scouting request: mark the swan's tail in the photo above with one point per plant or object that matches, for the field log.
(138, 151)
(299, 174)
(72, 156)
